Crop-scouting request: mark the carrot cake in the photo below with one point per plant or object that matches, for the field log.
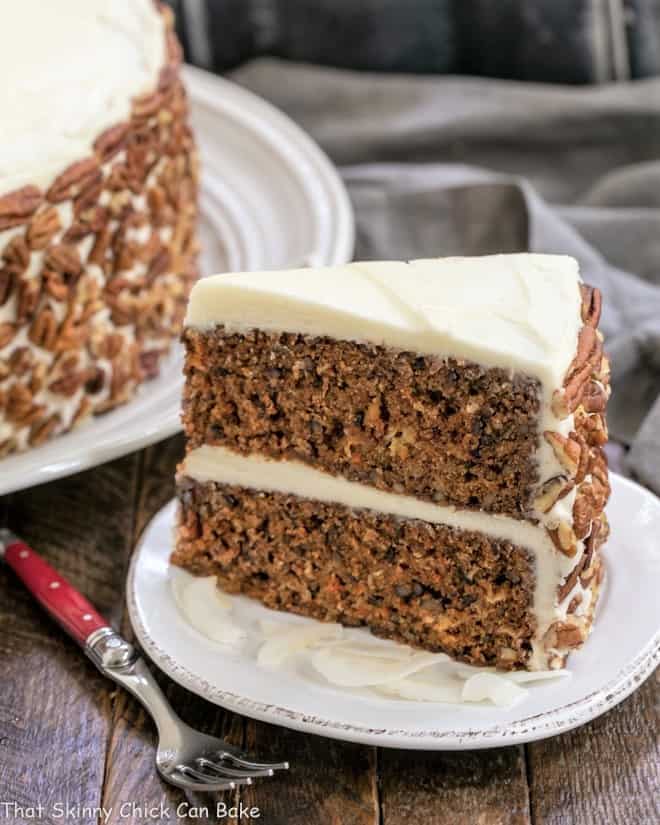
(98, 184)
(411, 447)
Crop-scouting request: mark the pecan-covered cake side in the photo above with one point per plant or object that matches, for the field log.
(96, 267)
(579, 533)
(416, 448)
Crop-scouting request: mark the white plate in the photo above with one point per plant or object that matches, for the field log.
(270, 200)
(622, 651)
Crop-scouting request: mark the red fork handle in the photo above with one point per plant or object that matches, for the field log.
(66, 605)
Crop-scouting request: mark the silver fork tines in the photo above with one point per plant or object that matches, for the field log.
(244, 763)
(234, 773)
(185, 757)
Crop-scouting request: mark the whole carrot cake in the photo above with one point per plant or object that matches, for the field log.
(98, 180)
(411, 447)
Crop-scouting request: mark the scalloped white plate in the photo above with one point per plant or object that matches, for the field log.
(270, 200)
(622, 651)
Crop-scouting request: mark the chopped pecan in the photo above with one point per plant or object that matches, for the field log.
(17, 206)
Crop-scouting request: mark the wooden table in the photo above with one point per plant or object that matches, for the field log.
(69, 737)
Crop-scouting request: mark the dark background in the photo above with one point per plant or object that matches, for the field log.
(560, 41)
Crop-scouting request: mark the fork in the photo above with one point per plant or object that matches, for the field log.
(185, 757)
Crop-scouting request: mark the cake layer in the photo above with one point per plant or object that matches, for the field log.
(438, 586)
(74, 69)
(412, 424)
(555, 575)
(428, 585)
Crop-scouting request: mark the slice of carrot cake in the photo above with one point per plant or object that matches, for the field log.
(412, 447)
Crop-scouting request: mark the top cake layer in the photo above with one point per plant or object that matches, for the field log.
(515, 311)
(73, 68)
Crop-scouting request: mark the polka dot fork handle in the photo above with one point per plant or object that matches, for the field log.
(65, 604)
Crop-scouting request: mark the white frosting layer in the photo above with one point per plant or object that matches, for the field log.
(69, 70)
(515, 311)
(217, 464)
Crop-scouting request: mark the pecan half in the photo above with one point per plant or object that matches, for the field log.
(552, 491)
(64, 259)
(7, 332)
(146, 105)
(73, 180)
(19, 402)
(28, 298)
(43, 227)
(567, 451)
(113, 140)
(42, 430)
(68, 385)
(564, 539)
(43, 330)
(591, 305)
(562, 635)
(16, 255)
(17, 206)
(594, 397)
(6, 284)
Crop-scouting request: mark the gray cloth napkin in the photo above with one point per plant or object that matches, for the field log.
(466, 166)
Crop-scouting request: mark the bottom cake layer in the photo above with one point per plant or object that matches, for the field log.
(428, 585)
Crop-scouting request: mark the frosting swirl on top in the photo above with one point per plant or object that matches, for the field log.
(70, 70)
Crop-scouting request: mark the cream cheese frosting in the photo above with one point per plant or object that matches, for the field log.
(70, 70)
(223, 466)
(515, 311)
